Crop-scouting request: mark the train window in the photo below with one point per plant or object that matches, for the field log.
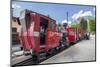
(14, 20)
(43, 23)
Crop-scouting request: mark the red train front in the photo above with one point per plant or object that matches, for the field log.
(39, 34)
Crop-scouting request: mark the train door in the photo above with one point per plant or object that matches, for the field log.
(43, 30)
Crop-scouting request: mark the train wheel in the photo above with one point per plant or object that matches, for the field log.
(36, 59)
(54, 51)
(47, 54)
(39, 57)
(65, 42)
(51, 51)
(61, 46)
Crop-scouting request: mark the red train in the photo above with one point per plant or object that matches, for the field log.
(76, 34)
(40, 36)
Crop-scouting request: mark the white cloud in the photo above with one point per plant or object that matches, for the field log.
(64, 21)
(88, 13)
(81, 14)
(16, 6)
(77, 15)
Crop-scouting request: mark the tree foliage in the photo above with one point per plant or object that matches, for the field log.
(83, 24)
(92, 25)
(75, 25)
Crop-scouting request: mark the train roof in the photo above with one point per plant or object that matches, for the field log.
(29, 11)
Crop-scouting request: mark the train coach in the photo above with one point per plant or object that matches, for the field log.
(79, 32)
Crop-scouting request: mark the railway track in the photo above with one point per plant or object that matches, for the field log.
(30, 61)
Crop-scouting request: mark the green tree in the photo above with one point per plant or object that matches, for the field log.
(75, 25)
(83, 24)
(92, 25)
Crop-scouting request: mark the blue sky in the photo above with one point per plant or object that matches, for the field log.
(55, 11)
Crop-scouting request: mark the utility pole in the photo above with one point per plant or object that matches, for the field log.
(67, 18)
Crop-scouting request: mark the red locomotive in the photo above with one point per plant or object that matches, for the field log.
(39, 34)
